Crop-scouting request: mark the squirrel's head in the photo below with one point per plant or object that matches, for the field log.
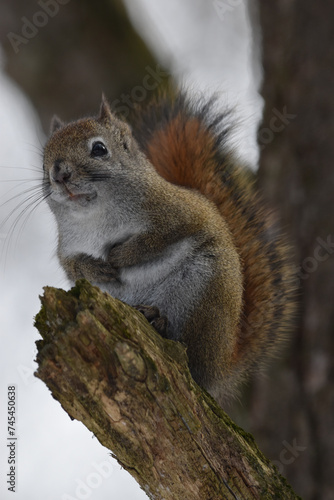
(85, 159)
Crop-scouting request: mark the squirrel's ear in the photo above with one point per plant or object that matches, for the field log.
(56, 124)
(106, 115)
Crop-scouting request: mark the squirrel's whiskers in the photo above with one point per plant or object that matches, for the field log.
(26, 202)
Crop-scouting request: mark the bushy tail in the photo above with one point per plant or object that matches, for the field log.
(187, 144)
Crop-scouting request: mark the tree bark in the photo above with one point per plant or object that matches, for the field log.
(109, 369)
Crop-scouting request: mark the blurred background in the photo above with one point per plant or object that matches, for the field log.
(273, 62)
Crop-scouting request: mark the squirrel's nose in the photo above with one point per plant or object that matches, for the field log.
(61, 172)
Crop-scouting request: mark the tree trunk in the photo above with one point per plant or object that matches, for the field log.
(296, 408)
(81, 49)
(109, 369)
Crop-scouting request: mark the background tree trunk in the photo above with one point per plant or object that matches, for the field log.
(109, 369)
(292, 412)
(63, 60)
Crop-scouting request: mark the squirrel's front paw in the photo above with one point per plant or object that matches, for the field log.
(152, 314)
(105, 273)
(94, 270)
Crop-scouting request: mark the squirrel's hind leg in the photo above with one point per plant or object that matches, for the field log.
(152, 314)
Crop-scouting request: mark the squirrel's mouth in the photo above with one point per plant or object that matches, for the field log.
(66, 195)
(82, 196)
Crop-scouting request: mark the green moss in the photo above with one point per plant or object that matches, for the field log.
(76, 290)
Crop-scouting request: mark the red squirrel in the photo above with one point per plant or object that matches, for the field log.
(162, 217)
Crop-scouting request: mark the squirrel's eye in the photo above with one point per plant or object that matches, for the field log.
(98, 149)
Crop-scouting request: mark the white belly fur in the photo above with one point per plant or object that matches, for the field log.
(173, 283)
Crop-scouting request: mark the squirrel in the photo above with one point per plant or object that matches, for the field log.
(162, 217)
